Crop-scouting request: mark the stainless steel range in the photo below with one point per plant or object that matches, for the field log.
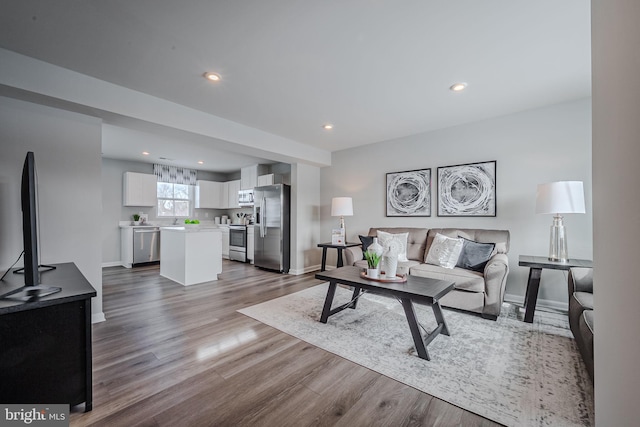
(238, 243)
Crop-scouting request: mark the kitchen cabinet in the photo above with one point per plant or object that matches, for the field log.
(250, 243)
(209, 195)
(225, 242)
(265, 180)
(232, 196)
(249, 176)
(139, 189)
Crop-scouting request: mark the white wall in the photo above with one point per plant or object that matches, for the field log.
(67, 153)
(532, 147)
(305, 218)
(616, 202)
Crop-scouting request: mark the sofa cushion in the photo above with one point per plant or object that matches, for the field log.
(444, 251)
(466, 280)
(366, 241)
(384, 238)
(474, 255)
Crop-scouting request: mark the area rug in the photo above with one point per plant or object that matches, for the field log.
(511, 372)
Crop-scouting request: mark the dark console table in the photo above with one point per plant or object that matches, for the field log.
(536, 264)
(45, 344)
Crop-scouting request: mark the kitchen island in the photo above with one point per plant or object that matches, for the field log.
(191, 254)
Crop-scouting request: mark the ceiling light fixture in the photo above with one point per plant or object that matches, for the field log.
(328, 126)
(200, 162)
(145, 153)
(212, 77)
(458, 87)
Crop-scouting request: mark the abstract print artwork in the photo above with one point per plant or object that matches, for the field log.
(409, 193)
(467, 190)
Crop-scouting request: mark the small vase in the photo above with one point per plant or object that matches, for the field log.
(375, 247)
(372, 273)
(390, 265)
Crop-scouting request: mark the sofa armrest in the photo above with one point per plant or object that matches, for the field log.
(580, 280)
(352, 254)
(495, 281)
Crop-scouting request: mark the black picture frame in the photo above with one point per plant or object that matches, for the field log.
(409, 193)
(467, 190)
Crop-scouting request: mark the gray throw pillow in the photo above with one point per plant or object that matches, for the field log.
(366, 241)
(474, 255)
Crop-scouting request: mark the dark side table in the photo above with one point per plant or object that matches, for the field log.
(324, 247)
(536, 264)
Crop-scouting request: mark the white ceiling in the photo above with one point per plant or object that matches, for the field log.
(376, 69)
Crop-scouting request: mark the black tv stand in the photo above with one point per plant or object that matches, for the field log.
(45, 342)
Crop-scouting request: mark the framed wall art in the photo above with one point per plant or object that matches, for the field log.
(467, 190)
(409, 193)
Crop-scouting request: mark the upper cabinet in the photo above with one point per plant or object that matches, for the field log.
(209, 194)
(249, 176)
(266, 180)
(234, 187)
(139, 189)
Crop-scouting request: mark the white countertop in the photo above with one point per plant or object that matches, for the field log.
(183, 229)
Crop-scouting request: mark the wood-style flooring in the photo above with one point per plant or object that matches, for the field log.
(170, 355)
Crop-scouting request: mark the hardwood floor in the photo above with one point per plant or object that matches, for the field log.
(170, 355)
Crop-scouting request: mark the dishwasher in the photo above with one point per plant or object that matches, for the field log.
(146, 244)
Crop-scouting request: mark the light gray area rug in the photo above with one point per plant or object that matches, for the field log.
(514, 373)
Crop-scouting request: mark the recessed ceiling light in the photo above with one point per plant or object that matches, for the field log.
(327, 126)
(200, 162)
(145, 153)
(458, 87)
(212, 76)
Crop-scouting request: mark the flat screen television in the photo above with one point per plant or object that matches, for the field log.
(31, 270)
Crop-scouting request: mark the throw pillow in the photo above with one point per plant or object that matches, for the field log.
(366, 241)
(384, 238)
(474, 255)
(444, 251)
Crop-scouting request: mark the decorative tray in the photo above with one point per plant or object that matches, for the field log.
(397, 279)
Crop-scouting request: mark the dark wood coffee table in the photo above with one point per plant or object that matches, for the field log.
(420, 290)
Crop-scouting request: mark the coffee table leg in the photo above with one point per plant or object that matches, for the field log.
(421, 349)
(326, 310)
(356, 294)
(437, 312)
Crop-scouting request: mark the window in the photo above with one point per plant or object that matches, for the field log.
(174, 200)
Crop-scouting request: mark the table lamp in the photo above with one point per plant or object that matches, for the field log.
(558, 198)
(342, 206)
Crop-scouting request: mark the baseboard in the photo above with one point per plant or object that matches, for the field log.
(98, 317)
(540, 304)
(308, 269)
(112, 264)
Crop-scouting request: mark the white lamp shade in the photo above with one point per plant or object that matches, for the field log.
(341, 206)
(560, 197)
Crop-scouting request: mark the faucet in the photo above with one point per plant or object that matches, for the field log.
(175, 221)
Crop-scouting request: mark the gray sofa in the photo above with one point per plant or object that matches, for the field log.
(581, 319)
(478, 292)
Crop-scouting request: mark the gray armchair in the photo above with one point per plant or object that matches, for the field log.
(581, 320)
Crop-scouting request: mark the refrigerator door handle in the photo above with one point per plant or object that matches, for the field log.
(264, 217)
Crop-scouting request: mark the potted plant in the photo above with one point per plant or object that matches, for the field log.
(136, 219)
(373, 260)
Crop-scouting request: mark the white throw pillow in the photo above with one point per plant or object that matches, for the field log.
(384, 238)
(444, 251)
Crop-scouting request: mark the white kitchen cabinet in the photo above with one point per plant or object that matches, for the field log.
(209, 195)
(249, 176)
(225, 242)
(250, 243)
(265, 180)
(139, 189)
(232, 196)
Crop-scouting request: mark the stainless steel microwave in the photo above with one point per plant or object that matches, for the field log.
(245, 197)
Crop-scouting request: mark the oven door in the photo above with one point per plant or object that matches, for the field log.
(238, 244)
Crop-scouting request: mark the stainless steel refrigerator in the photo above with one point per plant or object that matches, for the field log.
(271, 213)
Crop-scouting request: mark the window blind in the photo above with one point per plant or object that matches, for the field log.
(175, 174)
